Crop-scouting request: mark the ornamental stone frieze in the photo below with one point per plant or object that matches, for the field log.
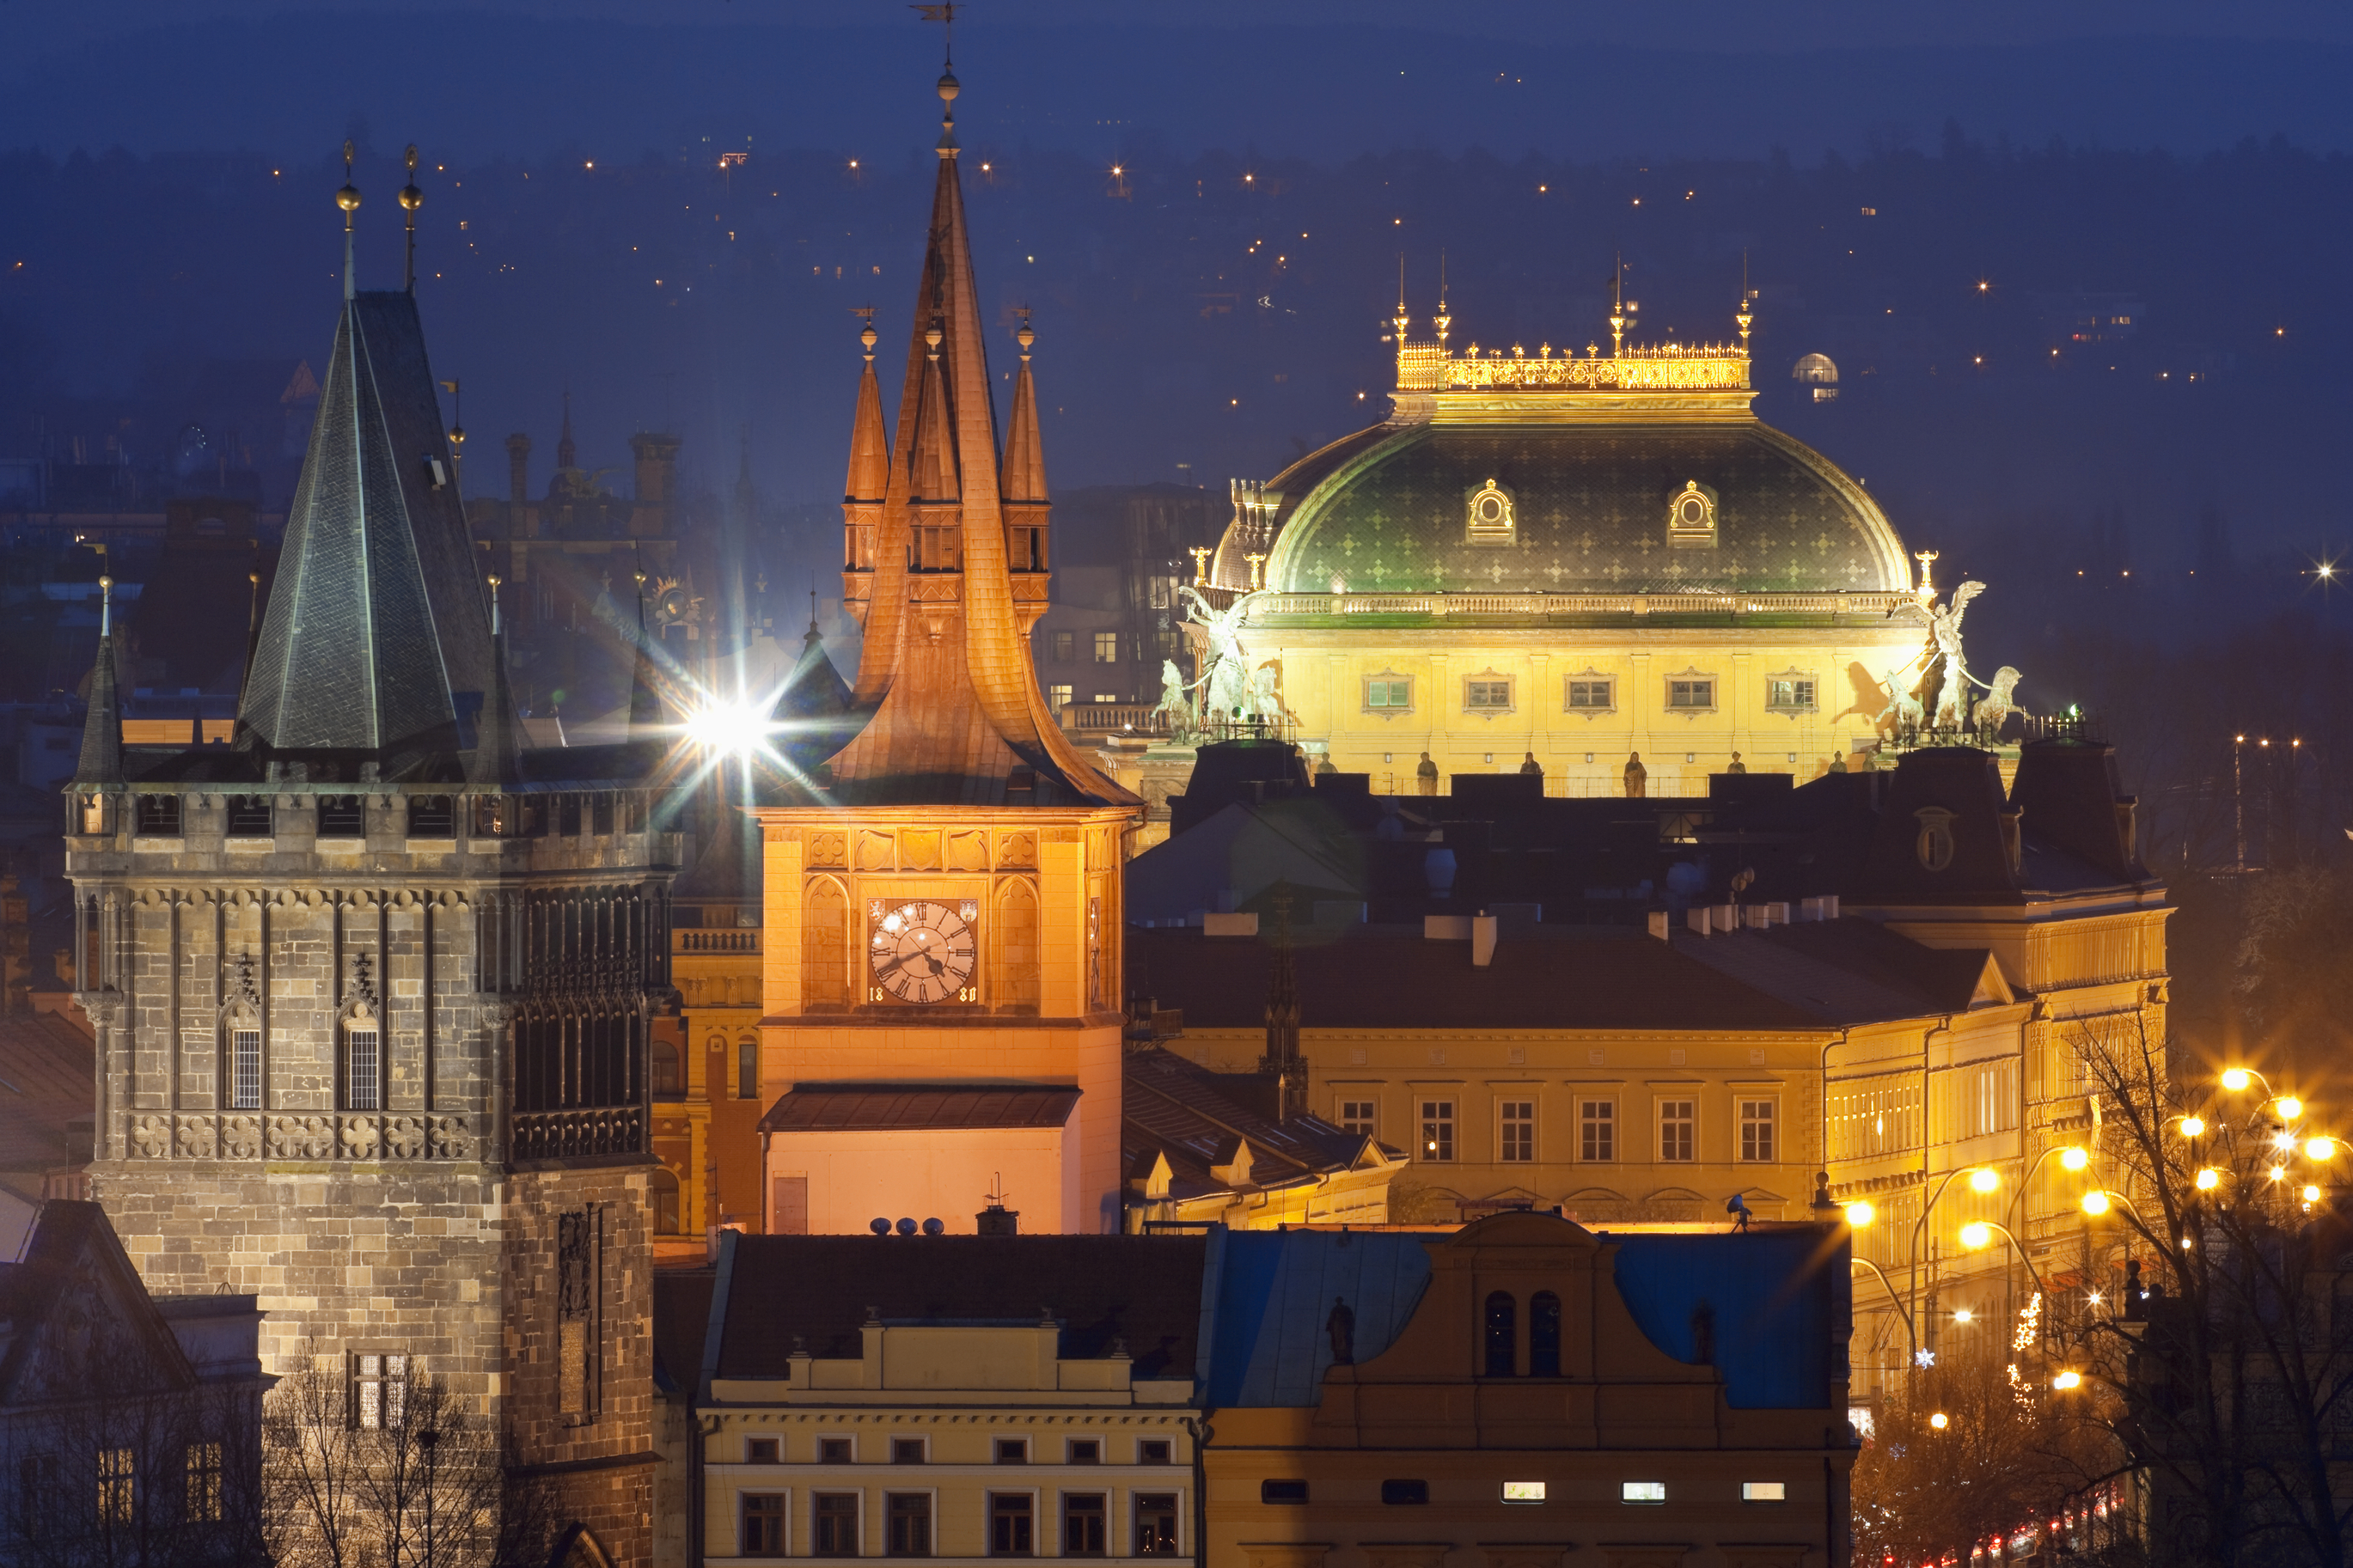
(234, 1135)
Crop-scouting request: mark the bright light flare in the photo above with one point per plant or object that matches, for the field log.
(2290, 1106)
(2236, 1078)
(2096, 1202)
(2193, 1126)
(1976, 1234)
(2068, 1379)
(1940, 1421)
(1985, 1179)
(2320, 1148)
(735, 727)
(2312, 1194)
(1860, 1214)
(2209, 1179)
(2076, 1159)
(1963, 1315)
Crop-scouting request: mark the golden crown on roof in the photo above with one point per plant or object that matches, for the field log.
(1429, 366)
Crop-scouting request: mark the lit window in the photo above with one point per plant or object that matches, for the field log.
(1790, 695)
(1437, 1130)
(1597, 1130)
(1058, 697)
(1487, 696)
(1523, 1491)
(1764, 1491)
(1389, 695)
(1519, 1139)
(1361, 1117)
(204, 1496)
(1592, 696)
(1642, 1491)
(1690, 694)
(1677, 1121)
(117, 1483)
(1106, 648)
(379, 1391)
(1756, 1129)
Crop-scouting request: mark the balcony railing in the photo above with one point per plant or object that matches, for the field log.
(738, 940)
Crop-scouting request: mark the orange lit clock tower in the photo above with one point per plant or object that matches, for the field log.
(943, 904)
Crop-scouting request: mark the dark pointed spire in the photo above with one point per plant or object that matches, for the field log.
(377, 634)
(869, 444)
(567, 454)
(494, 762)
(101, 728)
(1025, 456)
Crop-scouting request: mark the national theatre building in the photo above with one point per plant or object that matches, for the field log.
(1577, 558)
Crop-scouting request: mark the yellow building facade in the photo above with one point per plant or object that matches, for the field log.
(1578, 560)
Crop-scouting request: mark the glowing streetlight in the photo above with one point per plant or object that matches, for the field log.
(1860, 1214)
(2236, 1080)
(1985, 1179)
(1963, 1315)
(1976, 1234)
(2193, 1126)
(2289, 1106)
(2320, 1148)
(2312, 1194)
(2209, 1178)
(2076, 1159)
(1940, 1421)
(2096, 1202)
(2068, 1379)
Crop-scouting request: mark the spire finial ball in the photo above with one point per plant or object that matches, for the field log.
(949, 86)
(868, 337)
(348, 198)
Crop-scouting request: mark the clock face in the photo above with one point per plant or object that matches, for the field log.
(923, 952)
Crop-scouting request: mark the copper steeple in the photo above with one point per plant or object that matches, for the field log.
(958, 715)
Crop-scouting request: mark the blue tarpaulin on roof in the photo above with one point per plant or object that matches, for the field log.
(1271, 1297)
(1775, 1303)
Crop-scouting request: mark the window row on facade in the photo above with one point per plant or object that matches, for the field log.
(1598, 1128)
(910, 1523)
(845, 1450)
(1391, 695)
(568, 815)
(1283, 1493)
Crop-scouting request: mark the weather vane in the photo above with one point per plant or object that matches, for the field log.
(944, 14)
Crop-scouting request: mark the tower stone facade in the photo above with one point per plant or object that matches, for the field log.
(374, 983)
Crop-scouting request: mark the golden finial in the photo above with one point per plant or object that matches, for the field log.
(1617, 309)
(1927, 589)
(1025, 337)
(411, 198)
(932, 336)
(1441, 320)
(866, 338)
(944, 14)
(1401, 319)
(1257, 568)
(1200, 565)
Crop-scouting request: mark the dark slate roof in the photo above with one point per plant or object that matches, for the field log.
(1846, 971)
(1543, 977)
(101, 728)
(904, 1107)
(1777, 1301)
(1144, 1289)
(682, 1321)
(1171, 1106)
(1587, 498)
(378, 627)
(1270, 1292)
(73, 1252)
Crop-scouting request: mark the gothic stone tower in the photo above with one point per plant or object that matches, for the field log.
(372, 983)
(943, 903)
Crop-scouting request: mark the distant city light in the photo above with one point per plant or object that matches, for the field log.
(1940, 1420)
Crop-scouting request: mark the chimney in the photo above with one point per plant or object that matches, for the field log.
(1659, 921)
(517, 468)
(1483, 940)
(2014, 848)
(657, 476)
(999, 1220)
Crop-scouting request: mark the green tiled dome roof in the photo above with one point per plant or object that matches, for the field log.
(1591, 503)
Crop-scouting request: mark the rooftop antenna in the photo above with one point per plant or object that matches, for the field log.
(411, 198)
(348, 198)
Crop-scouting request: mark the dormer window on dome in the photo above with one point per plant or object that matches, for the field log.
(1690, 517)
(1488, 516)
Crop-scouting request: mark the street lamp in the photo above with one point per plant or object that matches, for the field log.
(1981, 1233)
(2066, 1379)
(1859, 1216)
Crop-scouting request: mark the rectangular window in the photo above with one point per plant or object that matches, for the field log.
(1105, 697)
(834, 1451)
(1523, 1491)
(341, 817)
(764, 1524)
(748, 1070)
(1083, 1516)
(1361, 1117)
(362, 1071)
(762, 1450)
(432, 816)
(1764, 1491)
(1592, 696)
(1519, 1129)
(906, 1450)
(1154, 1451)
(117, 1485)
(1789, 696)
(248, 816)
(1391, 694)
(1106, 648)
(1011, 1522)
(1437, 1130)
(1642, 1491)
(567, 816)
(159, 815)
(379, 1391)
(1062, 649)
(1597, 1130)
(579, 1267)
(1690, 694)
(202, 1504)
(1487, 696)
(833, 1524)
(1013, 1450)
(1058, 697)
(1677, 1121)
(244, 1069)
(909, 1515)
(601, 813)
(1155, 1524)
(1405, 1493)
(1288, 1493)
(1086, 1451)
(1756, 1129)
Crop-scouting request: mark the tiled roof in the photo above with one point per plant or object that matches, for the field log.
(1142, 1289)
(1174, 1107)
(911, 1107)
(47, 1070)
